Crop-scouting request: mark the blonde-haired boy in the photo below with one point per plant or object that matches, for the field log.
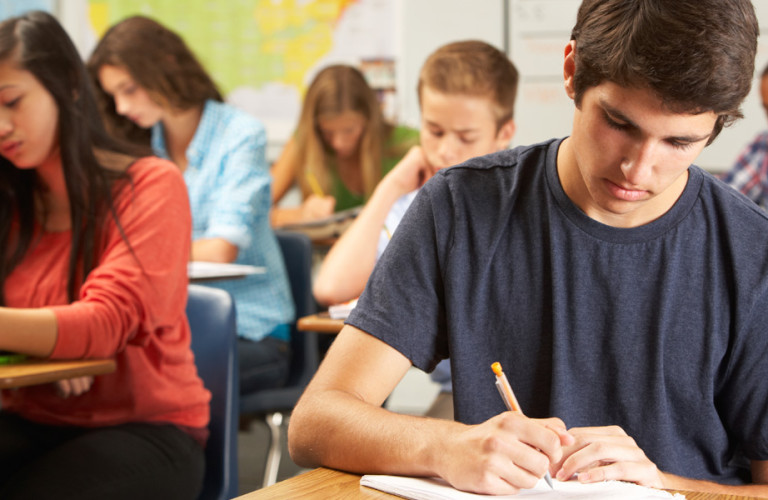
(467, 94)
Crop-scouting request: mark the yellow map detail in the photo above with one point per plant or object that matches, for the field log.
(241, 42)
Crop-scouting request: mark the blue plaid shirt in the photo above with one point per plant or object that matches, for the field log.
(229, 191)
(750, 173)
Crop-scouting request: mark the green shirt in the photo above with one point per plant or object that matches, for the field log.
(399, 142)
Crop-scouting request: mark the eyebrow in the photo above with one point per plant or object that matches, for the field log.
(618, 115)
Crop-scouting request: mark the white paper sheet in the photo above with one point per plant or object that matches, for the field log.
(437, 489)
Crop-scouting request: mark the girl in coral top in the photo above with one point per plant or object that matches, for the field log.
(94, 244)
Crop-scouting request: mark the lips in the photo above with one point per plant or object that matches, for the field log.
(624, 193)
(9, 148)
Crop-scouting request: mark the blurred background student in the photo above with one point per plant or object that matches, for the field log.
(340, 150)
(750, 172)
(467, 93)
(92, 267)
(147, 78)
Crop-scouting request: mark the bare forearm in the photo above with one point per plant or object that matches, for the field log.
(359, 437)
(28, 331)
(349, 263)
(214, 250)
(282, 216)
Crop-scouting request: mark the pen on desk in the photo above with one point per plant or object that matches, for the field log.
(502, 384)
(314, 184)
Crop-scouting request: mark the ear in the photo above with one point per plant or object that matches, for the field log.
(505, 134)
(569, 68)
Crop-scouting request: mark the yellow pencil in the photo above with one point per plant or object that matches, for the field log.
(502, 384)
(314, 184)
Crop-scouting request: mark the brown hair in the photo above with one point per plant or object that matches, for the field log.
(159, 61)
(473, 68)
(695, 55)
(335, 90)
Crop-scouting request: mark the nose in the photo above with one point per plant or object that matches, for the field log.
(639, 163)
(448, 151)
(6, 126)
(121, 105)
(339, 142)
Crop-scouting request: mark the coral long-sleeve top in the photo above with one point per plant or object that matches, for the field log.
(131, 307)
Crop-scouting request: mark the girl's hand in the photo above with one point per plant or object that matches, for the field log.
(74, 386)
(317, 207)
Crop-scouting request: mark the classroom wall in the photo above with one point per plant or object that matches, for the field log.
(533, 32)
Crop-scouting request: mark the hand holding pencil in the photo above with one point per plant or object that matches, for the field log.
(505, 390)
(499, 456)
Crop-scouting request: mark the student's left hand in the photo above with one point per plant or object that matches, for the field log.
(606, 453)
(74, 386)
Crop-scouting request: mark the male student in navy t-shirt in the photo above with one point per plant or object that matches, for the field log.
(623, 290)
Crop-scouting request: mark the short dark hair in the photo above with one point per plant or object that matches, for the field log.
(473, 67)
(695, 55)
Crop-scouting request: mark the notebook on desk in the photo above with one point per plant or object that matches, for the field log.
(418, 488)
(326, 228)
(200, 271)
(341, 311)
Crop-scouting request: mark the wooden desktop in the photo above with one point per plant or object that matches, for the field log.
(41, 371)
(320, 484)
(320, 322)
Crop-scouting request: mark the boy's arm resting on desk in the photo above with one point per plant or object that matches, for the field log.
(608, 453)
(354, 255)
(339, 423)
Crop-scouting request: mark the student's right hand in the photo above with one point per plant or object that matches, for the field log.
(317, 207)
(411, 172)
(504, 454)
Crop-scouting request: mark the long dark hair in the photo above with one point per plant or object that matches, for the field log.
(159, 61)
(38, 44)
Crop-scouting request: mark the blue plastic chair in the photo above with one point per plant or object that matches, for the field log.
(211, 314)
(274, 404)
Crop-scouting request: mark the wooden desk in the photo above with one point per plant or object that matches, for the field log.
(320, 322)
(41, 371)
(321, 484)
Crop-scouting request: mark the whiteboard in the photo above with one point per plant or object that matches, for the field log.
(425, 25)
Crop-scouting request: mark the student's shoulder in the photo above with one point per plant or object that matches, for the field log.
(507, 160)
(732, 206)
(154, 171)
(726, 195)
(232, 121)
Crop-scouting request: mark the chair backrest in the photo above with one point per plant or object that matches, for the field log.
(211, 314)
(297, 254)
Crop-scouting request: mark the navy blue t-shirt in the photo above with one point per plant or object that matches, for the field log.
(660, 329)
